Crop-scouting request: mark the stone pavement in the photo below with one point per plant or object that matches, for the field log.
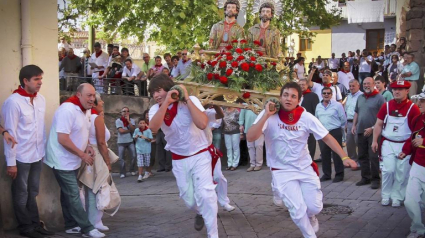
(154, 209)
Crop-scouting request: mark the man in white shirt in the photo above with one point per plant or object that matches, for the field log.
(7, 137)
(294, 174)
(183, 124)
(364, 67)
(101, 60)
(132, 73)
(183, 67)
(326, 82)
(299, 68)
(66, 148)
(345, 76)
(63, 44)
(23, 114)
(333, 63)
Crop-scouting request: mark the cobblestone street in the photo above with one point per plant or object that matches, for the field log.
(154, 209)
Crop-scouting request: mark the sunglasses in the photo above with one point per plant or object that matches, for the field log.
(326, 93)
(184, 53)
(125, 111)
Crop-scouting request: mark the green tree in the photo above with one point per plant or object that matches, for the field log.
(180, 24)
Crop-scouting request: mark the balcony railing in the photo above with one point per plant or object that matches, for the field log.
(389, 7)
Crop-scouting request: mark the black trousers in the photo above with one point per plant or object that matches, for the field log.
(369, 161)
(328, 155)
(163, 156)
(311, 142)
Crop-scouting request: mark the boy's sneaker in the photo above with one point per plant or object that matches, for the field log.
(122, 176)
(314, 223)
(199, 222)
(75, 230)
(228, 207)
(133, 173)
(396, 203)
(94, 233)
(385, 202)
(413, 234)
(277, 201)
(102, 228)
(140, 179)
(146, 176)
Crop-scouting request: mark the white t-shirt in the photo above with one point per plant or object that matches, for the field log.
(364, 66)
(102, 60)
(135, 70)
(336, 92)
(182, 136)
(68, 119)
(286, 145)
(212, 123)
(300, 70)
(333, 63)
(92, 135)
(345, 78)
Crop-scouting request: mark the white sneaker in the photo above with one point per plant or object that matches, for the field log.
(277, 201)
(122, 176)
(94, 233)
(396, 204)
(314, 223)
(146, 176)
(413, 234)
(140, 179)
(228, 207)
(133, 173)
(102, 228)
(385, 202)
(75, 230)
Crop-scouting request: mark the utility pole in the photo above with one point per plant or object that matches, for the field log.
(92, 31)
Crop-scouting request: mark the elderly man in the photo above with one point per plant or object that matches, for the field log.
(394, 121)
(365, 64)
(350, 105)
(366, 110)
(101, 59)
(147, 63)
(333, 63)
(326, 82)
(24, 120)
(344, 75)
(411, 72)
(66, 148)
(126, 126)
(183, 67)
(71, 65)
(332, 116)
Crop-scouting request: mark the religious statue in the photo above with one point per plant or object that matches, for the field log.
(291, 48)
(266, 37)
(224, 32)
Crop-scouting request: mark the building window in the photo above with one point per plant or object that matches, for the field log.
(305, 45)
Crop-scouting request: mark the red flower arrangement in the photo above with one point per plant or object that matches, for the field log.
(246, 95)
(257, 43)
(222, 64)
(258, 67)
(223, 79)
(245, 67)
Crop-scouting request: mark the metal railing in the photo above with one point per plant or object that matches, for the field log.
(113, 86)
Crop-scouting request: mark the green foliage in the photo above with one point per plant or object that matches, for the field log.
(180, 24)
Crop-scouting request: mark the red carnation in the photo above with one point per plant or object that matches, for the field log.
(216, 76)
(223, 79)
(246, 95)
(209, 62)
(273, 63)
(239, 51)
(202, 66)
(229, 72)
(260, 53)
(219, 58)
(265, 66)
(229, 57)
(256, 42)
(214, 63)
(229, 47)
(217, 55)
(253, 58)
(234, 41)
(234, 64)
(247, 49)
(252, 65)
(241, 57)
(228, 53)
(243, 41)
(222, 64)
(259, 68)
(210, 76)
(245, 67)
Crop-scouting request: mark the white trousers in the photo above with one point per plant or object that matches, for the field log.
(233, 150)
(221, 187)
(300, 191)
(395, 172)
(415, 197)
(255, 150)
(196, 187)
(98, 83)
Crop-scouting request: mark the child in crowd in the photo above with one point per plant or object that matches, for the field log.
(143, 137)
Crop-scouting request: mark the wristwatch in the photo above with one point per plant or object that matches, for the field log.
(4, 132)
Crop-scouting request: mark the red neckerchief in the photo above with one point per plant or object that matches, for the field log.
(171, 114)
(72, 57)
(158, 66)
(184, 61)
(373, 93)
(306, 91)
(76, 101)
(24, 93)
(94, 112)
(142, 130)
(348, 71)
(327, 85)
(98, 53)
(291, 117)
(124, 121)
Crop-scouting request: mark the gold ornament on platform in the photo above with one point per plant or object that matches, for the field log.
(230, 98)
